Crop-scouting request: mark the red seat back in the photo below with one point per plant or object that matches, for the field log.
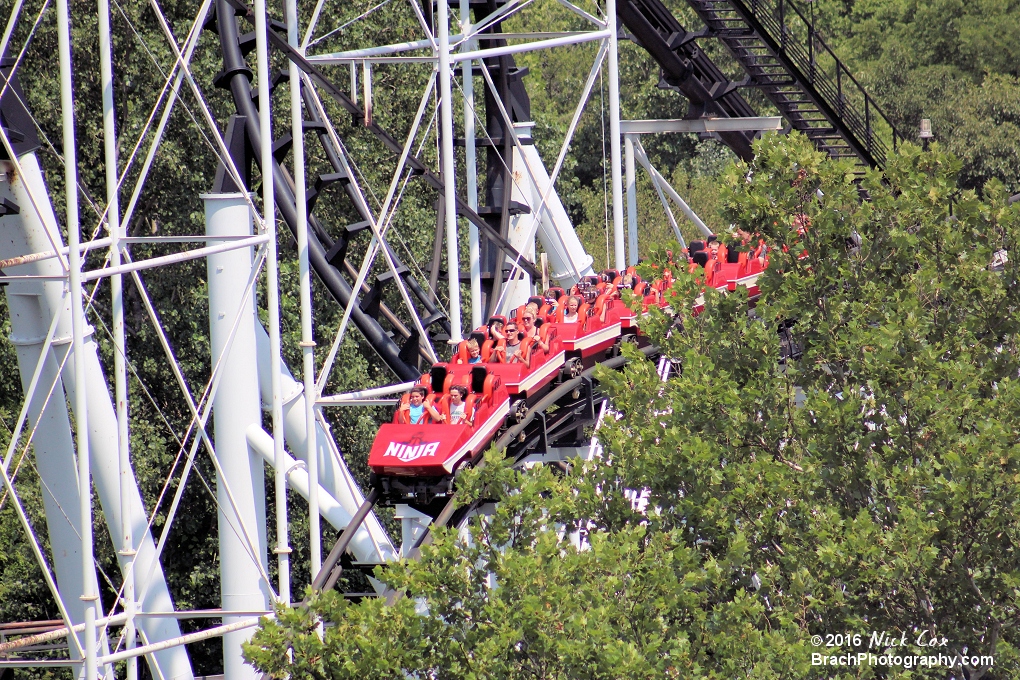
(401, 417)
(498, 353)
(460, 355)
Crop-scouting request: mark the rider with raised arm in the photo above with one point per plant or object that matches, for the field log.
(416, 409)
(531, 330)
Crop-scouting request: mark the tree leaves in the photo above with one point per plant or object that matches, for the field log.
(867, 485)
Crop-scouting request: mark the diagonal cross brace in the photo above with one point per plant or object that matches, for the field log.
(412, 160)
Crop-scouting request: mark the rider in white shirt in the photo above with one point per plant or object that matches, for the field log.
(570, 313)
(458, 409)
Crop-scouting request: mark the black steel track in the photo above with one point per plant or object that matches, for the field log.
(236, 77)
(784, 56)
(804, 79)
(686, 68)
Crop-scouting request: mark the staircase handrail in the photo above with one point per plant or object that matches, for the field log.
(832, 92)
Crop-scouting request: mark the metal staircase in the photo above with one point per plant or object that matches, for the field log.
(788, 60)
(782, 55)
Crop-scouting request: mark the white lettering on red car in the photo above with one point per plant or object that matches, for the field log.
(409, 452)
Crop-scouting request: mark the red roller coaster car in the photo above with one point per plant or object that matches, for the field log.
(403, 452)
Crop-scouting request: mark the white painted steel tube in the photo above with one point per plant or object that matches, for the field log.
(614, 136)
(555, 231)
(283, 548)
(31, 640)
(369, 393)
(106, 474)
(304, 293)
(351, 55)
(669, 212)
(658, 126)
(28, 234)
(235, 408)
(81, 438)
(670, 191)
(631, 182)
(126, 546)
(470, 168)
(180, 641)
(532, 46)
(378, 54)
(105, 242)
(174, 258)
(333, 473)
(521, 234)
(330, 508)
(449, 173)
(52, 444)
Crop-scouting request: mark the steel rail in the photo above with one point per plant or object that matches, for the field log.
(328, 573)
(339, 288)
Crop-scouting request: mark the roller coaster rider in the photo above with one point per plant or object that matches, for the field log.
(570, 315)
(415, 410)
(531, 329)
(512, 351)
(460, 412)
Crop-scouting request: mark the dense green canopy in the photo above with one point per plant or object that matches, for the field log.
(869, 485)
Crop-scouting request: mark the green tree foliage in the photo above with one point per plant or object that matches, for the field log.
(867, 485)
(951, 61)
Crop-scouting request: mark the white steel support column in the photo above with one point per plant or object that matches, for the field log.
(126, 547)
(364, 546)
(235, 408)
(449, 176)
(52, 442)
(89, 595)
(631, 182)
(282, 549)
(334, 476)
(305, 286)
(412, 525)
(470, 167)
(33, 231)
(614, 135)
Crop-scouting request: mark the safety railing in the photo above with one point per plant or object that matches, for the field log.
(785, 25)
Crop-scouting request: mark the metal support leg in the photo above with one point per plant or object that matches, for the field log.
(413, 525)
(305, 286)
(614, 135)
(470, 168)
(282, 550)
(449, 176)
(631, 182)
(126, 546)
(90, 595)
(236, 408)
